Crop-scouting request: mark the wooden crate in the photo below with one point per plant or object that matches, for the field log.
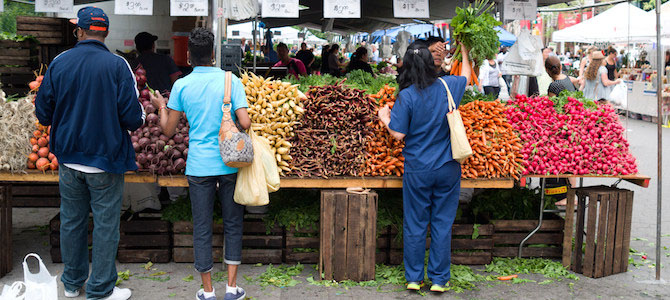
(464, 249)
(35, 195)
(17, 60)
(5, 229)
(604, 215)
(142, 239)
(257, 245)
(47, 31)
(546, 243)
(348, 228)
(303, 238)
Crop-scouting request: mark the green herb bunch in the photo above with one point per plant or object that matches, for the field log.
(474, 27)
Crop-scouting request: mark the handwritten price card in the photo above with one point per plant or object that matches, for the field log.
(134, 7)
(342, 9)
(411, 9)
(56, 6)
(520, 9)
(280, 9)
(188, 7)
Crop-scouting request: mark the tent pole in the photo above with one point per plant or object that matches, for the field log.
(659, 97)
(253, 32)
(218, 32)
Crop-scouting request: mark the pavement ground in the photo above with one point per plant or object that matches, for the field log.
(30, 235)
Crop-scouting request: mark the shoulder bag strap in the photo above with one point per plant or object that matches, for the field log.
(452, 105)
(226, 107)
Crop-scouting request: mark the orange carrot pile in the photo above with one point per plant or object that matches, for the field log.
(384, 152)
(495, 145)
(456, 69)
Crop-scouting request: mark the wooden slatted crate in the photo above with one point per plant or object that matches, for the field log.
(604, 215)
(47, 31)
(257, 245)
(305, 239)
(35, 195)
(348, 228)
(5, 229)
(143, 239)
(17, 60)
(464, 249)
(546, 243)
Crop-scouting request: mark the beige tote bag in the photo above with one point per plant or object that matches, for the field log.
(460, 146)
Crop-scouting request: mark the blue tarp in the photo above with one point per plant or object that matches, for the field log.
(416, 30)
(505, 37)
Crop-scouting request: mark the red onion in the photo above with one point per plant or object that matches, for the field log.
(178, 138)
(143, 142)
(152, 118)
(141, 158)
(179, 164)
(134, 138)
(164, 138)
(136, 146)
(155, 131)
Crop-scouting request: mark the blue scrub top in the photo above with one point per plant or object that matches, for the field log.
(422, 116)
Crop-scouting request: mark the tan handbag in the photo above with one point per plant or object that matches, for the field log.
(234, 144)
(460, 146)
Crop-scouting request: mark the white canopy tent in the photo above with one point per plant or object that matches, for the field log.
(621, 23)
(285, 34)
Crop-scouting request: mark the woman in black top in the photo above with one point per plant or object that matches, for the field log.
(324, 59)
(359, 61)
(561, 81)
(610, 64)
(334, 63)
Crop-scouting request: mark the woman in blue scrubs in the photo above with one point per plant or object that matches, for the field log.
(432, 179)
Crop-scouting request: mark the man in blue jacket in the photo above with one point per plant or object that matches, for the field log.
(89, 98)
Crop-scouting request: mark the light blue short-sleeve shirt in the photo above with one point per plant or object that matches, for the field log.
(200, 96)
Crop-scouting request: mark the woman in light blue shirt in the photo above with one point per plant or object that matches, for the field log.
(200, 96)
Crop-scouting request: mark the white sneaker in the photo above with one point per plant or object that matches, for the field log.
(119, 294)
(74, 294)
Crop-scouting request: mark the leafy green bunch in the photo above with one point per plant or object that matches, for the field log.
(474, 27)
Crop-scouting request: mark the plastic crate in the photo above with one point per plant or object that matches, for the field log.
(231, 57)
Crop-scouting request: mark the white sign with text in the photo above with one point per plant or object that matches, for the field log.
(411, 9)
(520, 9)
(342, 9)
(134, 7)
(280, 9)
(55, 6)
(188, 7)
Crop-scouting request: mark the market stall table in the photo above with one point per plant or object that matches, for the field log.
(8, 179)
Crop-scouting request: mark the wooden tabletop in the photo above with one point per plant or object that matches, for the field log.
(286, 182)
(638, 179)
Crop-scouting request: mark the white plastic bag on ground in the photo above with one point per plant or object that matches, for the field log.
(14, 292)
(619, 95)
(40, 285)
(525, 56)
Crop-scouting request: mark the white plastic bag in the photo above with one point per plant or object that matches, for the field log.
(525, 56)
(41, 285)
(619, 95)
(251, 188)
(14, 292)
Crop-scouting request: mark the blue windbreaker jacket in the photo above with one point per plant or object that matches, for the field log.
(90, 99)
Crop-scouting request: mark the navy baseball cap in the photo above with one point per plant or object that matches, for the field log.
(89, 15)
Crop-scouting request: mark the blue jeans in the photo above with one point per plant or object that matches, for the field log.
(430, 198)
(203, 191)
(81, 193)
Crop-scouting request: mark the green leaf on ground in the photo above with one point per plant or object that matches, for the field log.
(148, 266)
(188, 278)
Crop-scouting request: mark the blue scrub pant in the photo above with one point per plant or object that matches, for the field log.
(430, 197)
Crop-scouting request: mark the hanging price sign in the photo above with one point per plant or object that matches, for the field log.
(56, 6)
(411, 9)
(188, 8)
(134, 7)
(520, 9)
(342, 9)
(280, 9)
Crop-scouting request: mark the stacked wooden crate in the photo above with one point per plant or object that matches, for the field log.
(546, 243)
(17, 60)
(5, 229)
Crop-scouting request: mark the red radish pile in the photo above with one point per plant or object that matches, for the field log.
(580, 141)
(41, 158)
(154, 151)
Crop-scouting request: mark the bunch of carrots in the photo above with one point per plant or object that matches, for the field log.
(495, 145)
(456, 69)
(383, 151)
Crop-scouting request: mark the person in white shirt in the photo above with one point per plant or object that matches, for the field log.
(488, 77)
